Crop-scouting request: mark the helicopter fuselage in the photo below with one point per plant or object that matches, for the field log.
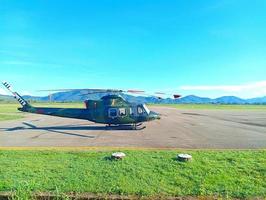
(110, 109)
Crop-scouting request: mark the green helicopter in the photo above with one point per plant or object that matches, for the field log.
(111, 109)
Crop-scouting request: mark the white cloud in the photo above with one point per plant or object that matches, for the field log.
(3, 92)
(247, 90)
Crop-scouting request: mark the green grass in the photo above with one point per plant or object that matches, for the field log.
(8, 111)
(226, 174)
(4, 117)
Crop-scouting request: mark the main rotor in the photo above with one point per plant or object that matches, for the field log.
(88, 91)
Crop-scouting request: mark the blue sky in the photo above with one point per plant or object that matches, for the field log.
(202, 47)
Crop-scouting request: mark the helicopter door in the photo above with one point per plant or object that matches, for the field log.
(133, 111)
(122, 112)
(112, 113)
(140, 110)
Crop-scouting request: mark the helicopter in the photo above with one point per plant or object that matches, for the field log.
(112, 109)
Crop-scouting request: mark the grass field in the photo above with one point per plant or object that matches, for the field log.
(8, 111)
(226, 174)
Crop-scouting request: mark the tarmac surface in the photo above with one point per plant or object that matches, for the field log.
(191, 129)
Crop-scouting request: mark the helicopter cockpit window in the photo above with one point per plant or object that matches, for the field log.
(131, 111)
(112, 112)
(140, 110)
(146, 109)
(122, 112)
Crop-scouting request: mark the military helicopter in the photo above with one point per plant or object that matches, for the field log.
(112, 109)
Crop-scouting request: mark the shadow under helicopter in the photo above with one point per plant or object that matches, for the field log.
(61, 129)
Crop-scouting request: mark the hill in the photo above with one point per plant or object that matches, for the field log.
(75, 96)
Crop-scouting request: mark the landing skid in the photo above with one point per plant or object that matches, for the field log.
(125, 127)
(138, 126)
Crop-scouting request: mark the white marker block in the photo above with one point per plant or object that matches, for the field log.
(118, 155)
(184, 157)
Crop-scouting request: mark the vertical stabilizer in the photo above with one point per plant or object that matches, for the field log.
(19, 98)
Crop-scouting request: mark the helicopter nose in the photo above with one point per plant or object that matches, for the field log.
(154, 115)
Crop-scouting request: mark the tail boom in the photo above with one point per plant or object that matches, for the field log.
(76, 113)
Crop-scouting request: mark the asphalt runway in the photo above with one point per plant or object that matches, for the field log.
(192, 129)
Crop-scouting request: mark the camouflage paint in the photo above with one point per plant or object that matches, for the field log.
(96, 111)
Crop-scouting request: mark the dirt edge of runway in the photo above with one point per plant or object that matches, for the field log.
(112, 148)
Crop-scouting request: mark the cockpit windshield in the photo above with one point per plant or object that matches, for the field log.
(146, 109)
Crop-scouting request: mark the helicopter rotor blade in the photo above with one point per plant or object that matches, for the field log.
(175, 96)
(135, 91)
(94, 90)
(91, 93)
(88, 91)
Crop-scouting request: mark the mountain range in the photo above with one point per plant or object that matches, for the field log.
(72, 96)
